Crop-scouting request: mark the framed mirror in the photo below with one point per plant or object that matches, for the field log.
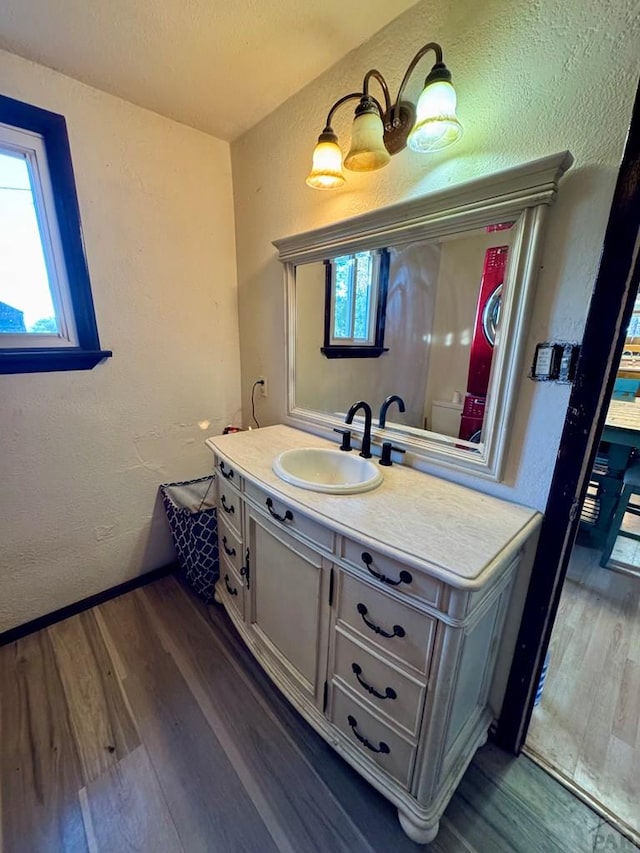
(461, 269)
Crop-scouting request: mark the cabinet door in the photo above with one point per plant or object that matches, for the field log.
(288, 583)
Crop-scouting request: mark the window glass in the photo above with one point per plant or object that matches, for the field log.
(47, 318)
(355, 304)
(26, 305)
(364, 292)
(343, 297)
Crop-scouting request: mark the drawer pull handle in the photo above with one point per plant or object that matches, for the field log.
(398, 630)
(383, 748)
(405, 577)
(288, 516)
(245, 571)
(228, 475)
(231, 552)
(230, 589)
(389, 692)
(230, 509)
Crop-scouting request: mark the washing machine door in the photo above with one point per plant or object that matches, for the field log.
(487, 318)
(491, 315)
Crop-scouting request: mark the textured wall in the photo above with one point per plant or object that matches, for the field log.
(83, 453)
(533, 78)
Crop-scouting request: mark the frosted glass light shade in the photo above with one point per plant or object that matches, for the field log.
(326, 168)
(367, 151)
(436, 124)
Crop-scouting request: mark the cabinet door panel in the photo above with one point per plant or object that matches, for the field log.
(285, 587)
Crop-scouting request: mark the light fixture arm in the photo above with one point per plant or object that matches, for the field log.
(383, 84)
(432, 45)
(356, 96)
(397, 117)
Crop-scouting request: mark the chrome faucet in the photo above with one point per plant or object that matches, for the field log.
(382, 418)
(366, 435)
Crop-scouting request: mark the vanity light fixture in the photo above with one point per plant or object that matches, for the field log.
(380, 132)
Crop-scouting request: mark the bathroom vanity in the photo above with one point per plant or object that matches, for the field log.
(379, 615)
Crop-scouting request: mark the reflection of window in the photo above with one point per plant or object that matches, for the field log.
(47, 320)
(355, 304)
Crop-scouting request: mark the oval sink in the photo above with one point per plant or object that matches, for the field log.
(332, 471)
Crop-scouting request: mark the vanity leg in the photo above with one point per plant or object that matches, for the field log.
(417, 830)
(216, 595)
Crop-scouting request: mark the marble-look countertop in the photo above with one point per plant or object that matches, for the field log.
(453, 532)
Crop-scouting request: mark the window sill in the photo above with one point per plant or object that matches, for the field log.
(49, 360)
(353, 352)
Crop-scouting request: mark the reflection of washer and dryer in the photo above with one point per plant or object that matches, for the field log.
(482, 343)
(464, 417)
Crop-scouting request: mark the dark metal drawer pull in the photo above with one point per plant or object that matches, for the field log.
(230, 509)
(230, 589)
(288, 516)
(383, 746)
(228, 475)
(405, 577)
(230, 551)
(245, 571)
(398, 630)
(389, 692)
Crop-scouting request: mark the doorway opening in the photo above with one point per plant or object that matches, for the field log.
(585, 725)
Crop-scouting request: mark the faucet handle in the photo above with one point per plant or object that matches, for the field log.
(385, 456)
(346, 438)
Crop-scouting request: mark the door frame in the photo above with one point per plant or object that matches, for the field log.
(610, 310)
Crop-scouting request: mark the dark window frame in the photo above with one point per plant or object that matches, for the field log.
(53, 129)
(331, 350)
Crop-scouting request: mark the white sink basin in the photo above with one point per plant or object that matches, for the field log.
(333, 471)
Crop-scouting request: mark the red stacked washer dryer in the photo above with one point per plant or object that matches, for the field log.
(482, 343)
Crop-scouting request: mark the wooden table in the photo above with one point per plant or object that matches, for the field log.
(622, 426)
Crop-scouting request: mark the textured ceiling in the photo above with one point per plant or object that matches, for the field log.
(218, 66)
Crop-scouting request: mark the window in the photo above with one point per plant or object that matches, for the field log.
(355, 304)
(47, 319)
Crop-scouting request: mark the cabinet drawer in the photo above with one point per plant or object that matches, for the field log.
(292, 520)
(229, 507)
(389, 692)
(391, 573)
(231, 586)
(372, 737)
(227, 473)
(390, 624)
(229, 544)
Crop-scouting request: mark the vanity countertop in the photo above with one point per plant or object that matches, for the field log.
(468, 535)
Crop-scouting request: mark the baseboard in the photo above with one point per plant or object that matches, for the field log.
(85, 604)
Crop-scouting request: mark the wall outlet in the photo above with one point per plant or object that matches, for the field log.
(263, 387)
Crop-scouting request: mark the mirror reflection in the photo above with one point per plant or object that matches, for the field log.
(441, 325)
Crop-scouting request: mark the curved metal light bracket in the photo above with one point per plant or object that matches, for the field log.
(398, 117)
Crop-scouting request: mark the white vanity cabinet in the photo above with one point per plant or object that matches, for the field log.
(379, 615)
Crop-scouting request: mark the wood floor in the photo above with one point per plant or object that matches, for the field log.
(587, 727)
(144, 725)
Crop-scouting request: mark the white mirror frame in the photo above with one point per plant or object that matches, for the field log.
(521, 194)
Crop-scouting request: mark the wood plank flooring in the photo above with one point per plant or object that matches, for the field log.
(587, 727)
(145, 725)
